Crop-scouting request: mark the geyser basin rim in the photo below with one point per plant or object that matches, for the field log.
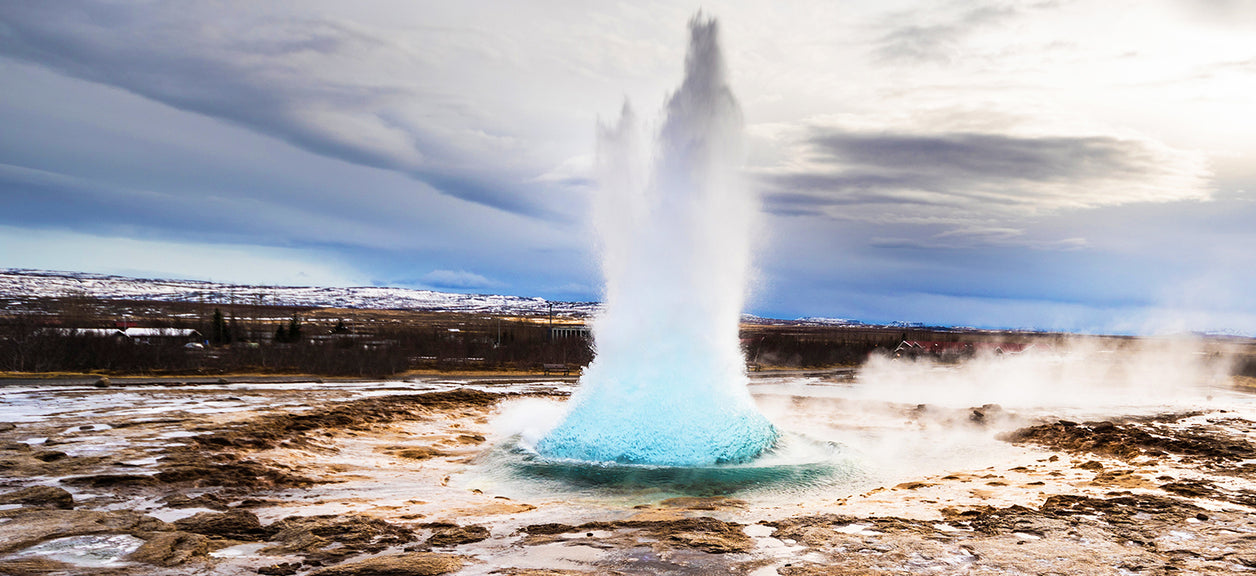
(794, 463)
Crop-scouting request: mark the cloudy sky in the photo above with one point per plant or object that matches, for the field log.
(1076, 165)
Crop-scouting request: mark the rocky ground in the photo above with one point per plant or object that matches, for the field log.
(381, 480)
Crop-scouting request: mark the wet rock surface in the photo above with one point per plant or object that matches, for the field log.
(326, 539)
(40, 497)
(300, 482)
(701, 533)
(35, 566)
(26, 527)
(416, 564)
(172, 549)
(301, 430)
(453, 535)
(1133, 437)
(230, 525)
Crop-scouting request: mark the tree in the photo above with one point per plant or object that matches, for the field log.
(294, 329)
(281, 334)
(219, 333)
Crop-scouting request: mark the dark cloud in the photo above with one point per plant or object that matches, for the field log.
(963, 177)
(272, 76)
(948, 160)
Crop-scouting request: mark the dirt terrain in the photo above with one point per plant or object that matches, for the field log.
(387, 479)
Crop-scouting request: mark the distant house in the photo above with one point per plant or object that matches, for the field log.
(91, 332)
(569, 331)
(140, 335)
(161, 335)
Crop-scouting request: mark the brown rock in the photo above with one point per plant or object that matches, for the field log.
(210, 501)
(314, 536)
(457, 535)
(40, 497)
(196, 471)
(1132, 437)
(414, 564)
(550, 529)
(703, 503)
(470, 439)
(33, 566)
(704, 533)
(822, 570)
(110, 480)
(293, 430)
(49, 456)
(233, 524)
(421, 453)
(172, 549)
(711, 542)
(26, 527)
(280, 569)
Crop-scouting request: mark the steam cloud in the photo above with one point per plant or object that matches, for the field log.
(668, 385)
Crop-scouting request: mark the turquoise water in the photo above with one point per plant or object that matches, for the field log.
(664, 431)
(793, 464)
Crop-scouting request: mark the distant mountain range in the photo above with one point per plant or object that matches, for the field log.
(21, 284)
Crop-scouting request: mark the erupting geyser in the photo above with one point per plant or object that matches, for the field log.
(668, 385)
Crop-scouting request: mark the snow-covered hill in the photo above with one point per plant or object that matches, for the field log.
(18, 284)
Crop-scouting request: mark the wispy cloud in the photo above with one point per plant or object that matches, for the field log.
(458, 280)
(328, 86)
(965, 238)
(939, 34)
(916, 37)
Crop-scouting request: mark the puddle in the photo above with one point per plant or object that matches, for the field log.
(858, 530)
(240, 551)
(174, 514)
(557, 556)
(97, 551)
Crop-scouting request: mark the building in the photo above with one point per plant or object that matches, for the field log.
(570, 331)
(162, 335)
(140, 335)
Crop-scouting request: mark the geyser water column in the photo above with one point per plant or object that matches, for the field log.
(668, 384)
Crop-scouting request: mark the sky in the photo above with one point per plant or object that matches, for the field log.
(1055, 165)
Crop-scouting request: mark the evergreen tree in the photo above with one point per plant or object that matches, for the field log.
(219, 334)
(281, 334)
(294, 329)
